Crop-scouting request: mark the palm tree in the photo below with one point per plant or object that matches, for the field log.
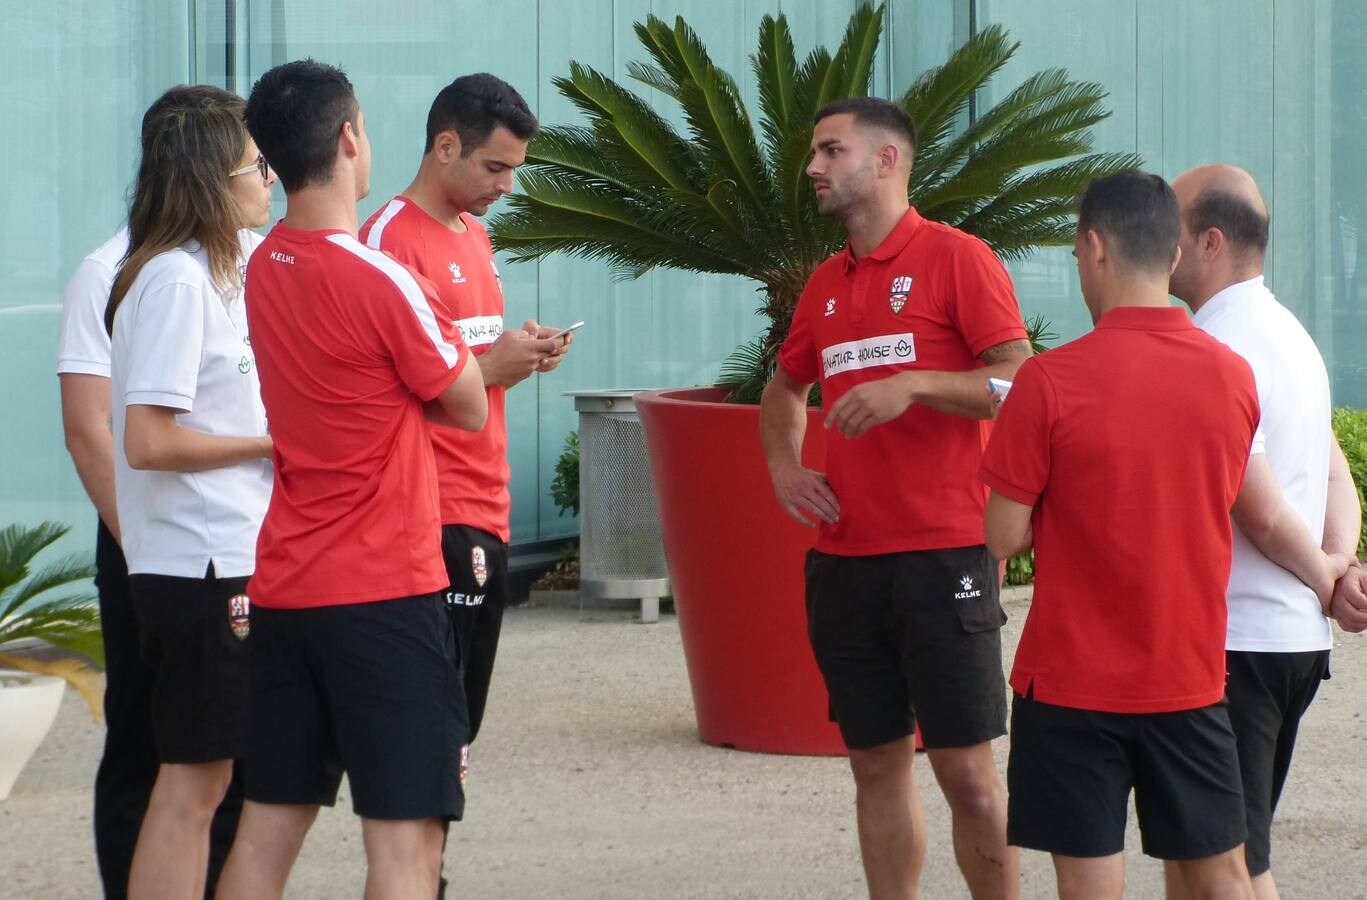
(628, 188)
(28, 609)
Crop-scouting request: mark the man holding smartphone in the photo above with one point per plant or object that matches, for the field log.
(477, 133)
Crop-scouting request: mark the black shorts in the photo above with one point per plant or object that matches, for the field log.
(477, 565)
(201, 684)
(1268, 693)
(1071, 771)
(908, 638)
(369, 689)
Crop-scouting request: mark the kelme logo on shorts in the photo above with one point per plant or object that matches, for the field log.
(886, 350)
(239, 616)
(477, 565)
(968, 591)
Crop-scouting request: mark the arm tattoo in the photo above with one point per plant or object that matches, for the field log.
(1005, 351)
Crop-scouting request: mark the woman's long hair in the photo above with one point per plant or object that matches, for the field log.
(192, 137)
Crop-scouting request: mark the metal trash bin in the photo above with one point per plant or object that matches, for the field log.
(621, 554)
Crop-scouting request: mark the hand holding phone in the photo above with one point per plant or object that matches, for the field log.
(999, 387)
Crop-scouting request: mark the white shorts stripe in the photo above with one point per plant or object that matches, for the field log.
(403, 280)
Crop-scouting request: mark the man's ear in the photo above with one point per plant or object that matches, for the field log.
(888, 157)
(1176, 258)
(447, 146)
(1094, 245)
(348, 141)
(1212, 241)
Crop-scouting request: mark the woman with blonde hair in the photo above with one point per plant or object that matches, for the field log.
(192, 476)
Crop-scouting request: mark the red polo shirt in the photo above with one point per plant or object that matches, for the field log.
(472, 466)
(929, 297)
(348, 348)
(1131, 443)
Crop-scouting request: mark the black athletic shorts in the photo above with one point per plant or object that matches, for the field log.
(192, 632)
(908, 638)
(369, 689)
(1268, 693)
(477, 565)
(1071, 771)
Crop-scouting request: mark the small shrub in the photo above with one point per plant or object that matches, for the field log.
(1350, 426)
(1020, 569)
(565, 494)
(565, 485)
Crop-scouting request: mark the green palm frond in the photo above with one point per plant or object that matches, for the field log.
(729, 192)
(30, 605)
(1040, 332)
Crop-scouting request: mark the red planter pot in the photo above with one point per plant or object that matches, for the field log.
(736, 564)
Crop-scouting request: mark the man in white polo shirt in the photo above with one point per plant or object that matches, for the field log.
(128, 763)
(1278, 637)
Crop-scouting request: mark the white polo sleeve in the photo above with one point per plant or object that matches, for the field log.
(83, 347)
(165, 346)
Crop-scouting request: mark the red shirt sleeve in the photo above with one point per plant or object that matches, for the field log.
(984, 300)
(799, 355)
(418, 334)
(1018, 458)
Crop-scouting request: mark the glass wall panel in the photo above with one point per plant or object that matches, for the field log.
(665, 329)
(1274, 86)
(75, 78)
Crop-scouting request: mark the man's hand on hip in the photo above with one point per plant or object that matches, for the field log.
(802, 493)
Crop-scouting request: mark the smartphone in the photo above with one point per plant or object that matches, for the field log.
(564, 331)
(1000, 387)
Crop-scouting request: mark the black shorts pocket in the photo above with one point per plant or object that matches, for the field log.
(982, 613)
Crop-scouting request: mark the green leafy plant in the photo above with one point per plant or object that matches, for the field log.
(1350, 426)
(565, 485)
(731, 196)
(1020, 569)
(33, 605)
(565, 494)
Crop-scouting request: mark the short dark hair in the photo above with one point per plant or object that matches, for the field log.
(1138, 214)
(294, 113)
(1243, 225)
(875, 112)
(473, 106)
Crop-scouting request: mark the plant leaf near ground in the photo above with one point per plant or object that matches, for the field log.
(54, 604)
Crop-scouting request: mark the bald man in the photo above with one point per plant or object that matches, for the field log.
(1278, 639)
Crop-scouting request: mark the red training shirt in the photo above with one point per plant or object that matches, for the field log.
(929, 297)
(472, 466)
(1131, 443)
(347, 347)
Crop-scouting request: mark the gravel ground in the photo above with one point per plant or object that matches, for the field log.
(589, 782)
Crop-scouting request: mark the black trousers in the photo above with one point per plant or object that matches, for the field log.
(128, 766)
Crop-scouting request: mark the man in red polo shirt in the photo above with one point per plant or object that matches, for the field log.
(477, 133)
(353, 656)
(902, 328)
(1120, 457)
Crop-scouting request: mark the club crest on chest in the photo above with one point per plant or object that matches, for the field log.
(897, 296)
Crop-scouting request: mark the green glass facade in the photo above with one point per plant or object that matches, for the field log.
(1273, 86)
